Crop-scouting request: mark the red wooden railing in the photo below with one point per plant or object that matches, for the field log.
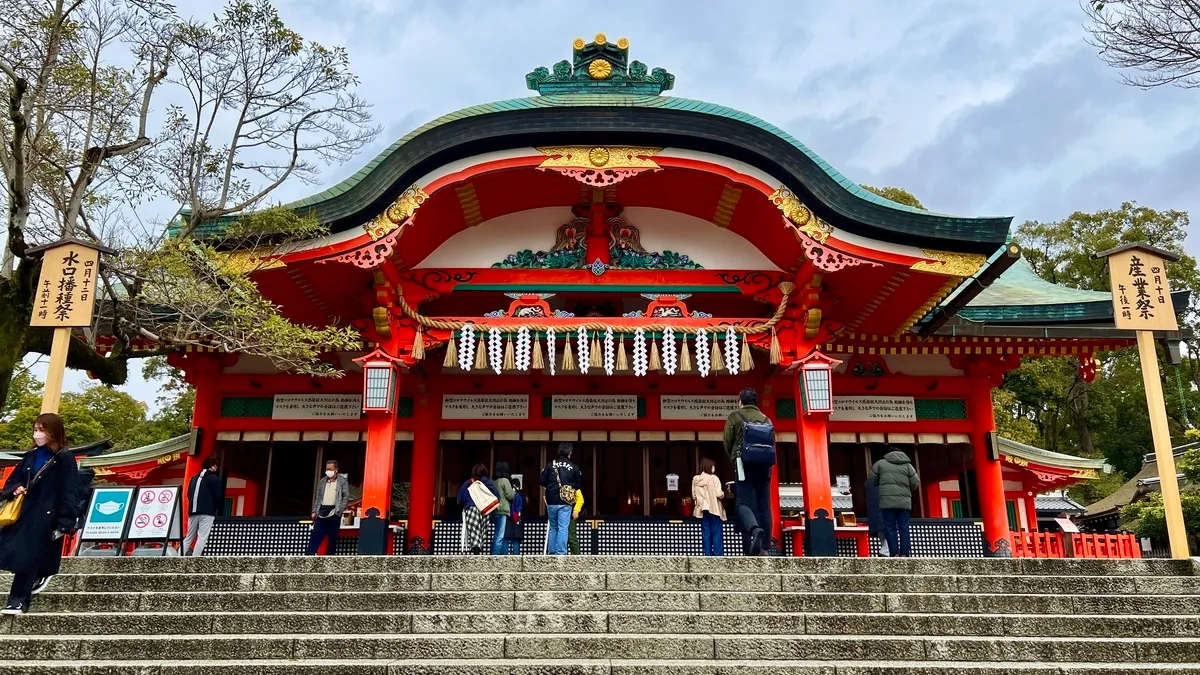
(1057, 545)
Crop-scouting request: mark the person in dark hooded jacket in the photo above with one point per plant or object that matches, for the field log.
(896, 479)
(875, 526)
(31, 547)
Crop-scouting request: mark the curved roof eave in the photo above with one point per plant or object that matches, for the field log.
(650, 121)
(1051, 458)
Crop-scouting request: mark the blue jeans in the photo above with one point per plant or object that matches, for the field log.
(513, 546)
(559, 524)
(711, 534)
(498, 522)
(895, 521)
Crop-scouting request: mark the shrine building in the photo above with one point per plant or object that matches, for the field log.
(605, 264)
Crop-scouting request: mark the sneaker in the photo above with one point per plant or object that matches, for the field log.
(758, 540)
(13, 609)
(41, 584)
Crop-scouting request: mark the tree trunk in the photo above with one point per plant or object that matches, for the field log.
(1078, 405)
(16, 304)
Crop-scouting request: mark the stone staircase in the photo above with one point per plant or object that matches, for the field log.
(605, 615)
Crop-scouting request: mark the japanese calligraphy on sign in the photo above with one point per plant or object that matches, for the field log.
(66, 289)
(1141, 294)
(593, 407)
(497, 406)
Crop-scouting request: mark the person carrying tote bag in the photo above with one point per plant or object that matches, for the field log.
(46, 484)
(477, 493)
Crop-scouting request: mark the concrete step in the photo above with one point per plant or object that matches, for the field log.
(579, 667)
(478, 564)
(691, 646)
(595, 601)
(632, 581)
(638, 623)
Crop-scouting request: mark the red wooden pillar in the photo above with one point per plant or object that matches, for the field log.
(776, 546)
(813, 439)
(202, 372)
(381, 453)
(1031, 512)
(424, 475)
(989, 479)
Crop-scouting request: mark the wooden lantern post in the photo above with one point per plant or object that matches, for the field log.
(1142, 303)
(65, 299)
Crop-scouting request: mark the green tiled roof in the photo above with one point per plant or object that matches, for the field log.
(609, 100)
(1020, 295)
(1046, 457)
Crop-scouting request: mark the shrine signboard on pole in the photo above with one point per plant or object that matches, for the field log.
(1142, 303)
(65, 298)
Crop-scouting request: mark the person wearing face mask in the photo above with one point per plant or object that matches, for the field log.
(329, 501)
(48, 480)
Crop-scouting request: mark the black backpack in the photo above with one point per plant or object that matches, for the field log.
(758, 442)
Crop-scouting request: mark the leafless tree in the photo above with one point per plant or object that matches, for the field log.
(1156, 42)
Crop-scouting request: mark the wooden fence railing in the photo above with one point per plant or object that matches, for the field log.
(1061, 545)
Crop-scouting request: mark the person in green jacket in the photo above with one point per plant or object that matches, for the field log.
(500, 516)
(896, 478)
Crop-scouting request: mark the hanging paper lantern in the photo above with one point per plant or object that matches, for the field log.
(703, 364)
(731, 352)
(640, 362)
(584, 351)
(669, 361)
(495, 347)
(550, 349)
(608, 351)
(523, 348)
(466, 347)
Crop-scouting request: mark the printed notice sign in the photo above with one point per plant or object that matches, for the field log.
(317, 407)
(697, 407)
(874, 409)
(470, 407)
(67, 287)
(153, 508)
(107, 513)
(1141, 294)
(593, 407)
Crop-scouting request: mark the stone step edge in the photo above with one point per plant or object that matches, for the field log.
(618, 592)
(598, 665)
(549, 612)
(610, 636)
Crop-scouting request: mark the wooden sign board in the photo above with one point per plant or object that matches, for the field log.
(1141, 294)
(66, 290)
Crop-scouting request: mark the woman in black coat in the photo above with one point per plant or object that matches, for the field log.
(31, 548)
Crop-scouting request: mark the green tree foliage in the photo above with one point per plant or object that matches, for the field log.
(254, 106)
(176, 400)
(898, 195)
(1146, 517)
(1108, 417)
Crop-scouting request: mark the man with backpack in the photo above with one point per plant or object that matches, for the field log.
(750, 443)
(561, 479)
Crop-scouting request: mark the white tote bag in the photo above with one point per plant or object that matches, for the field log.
(484, 500)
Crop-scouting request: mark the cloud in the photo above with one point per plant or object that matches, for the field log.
(977, 108)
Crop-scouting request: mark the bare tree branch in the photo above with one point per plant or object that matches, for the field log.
(1159, 40)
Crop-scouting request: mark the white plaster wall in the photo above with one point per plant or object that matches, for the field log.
(709, 245)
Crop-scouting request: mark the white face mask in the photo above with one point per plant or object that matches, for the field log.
(329, 474)
(39, 438)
